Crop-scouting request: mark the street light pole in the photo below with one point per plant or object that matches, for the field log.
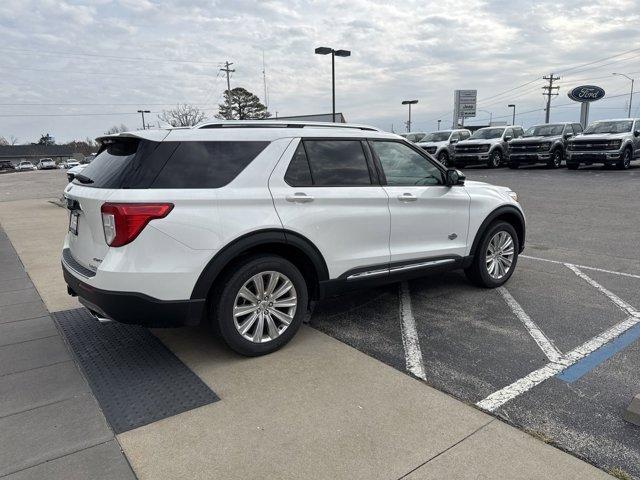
(490, 115)
(513, 120)
(409, 102)
(142, 112)
(439, 124)
(334, 54)
(631, 93)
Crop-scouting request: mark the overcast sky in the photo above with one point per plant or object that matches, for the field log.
(116, 56)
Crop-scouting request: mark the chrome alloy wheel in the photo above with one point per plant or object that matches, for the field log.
(264, 307)
(499, 256)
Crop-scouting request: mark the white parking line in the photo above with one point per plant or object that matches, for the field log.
(545, 344)
(502, 396)
(624, 306)
(412, 352)
(585, 267)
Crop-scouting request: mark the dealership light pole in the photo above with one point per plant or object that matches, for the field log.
(334, 53)
(513, 119)
(630, 93)
(490, 115)
(409, 102)
(142, 112)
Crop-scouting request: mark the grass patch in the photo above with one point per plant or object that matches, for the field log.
(619, 473)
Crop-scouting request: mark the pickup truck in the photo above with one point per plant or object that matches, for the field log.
(545, 143)
(488, 146)
(607, 142)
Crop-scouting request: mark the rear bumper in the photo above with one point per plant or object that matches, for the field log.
(135, 308)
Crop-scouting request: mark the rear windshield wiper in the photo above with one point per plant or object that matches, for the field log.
(83, 178)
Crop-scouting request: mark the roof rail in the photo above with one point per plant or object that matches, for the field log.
(281, 124)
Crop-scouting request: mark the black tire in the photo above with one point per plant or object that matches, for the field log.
(478, 273)
(222, 306)
(443, 158)
(625, 162)
(514, 165)
(495, 159)
(556, 159)
(573, 166)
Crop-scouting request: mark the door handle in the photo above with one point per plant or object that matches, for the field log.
(299, 198)
(407, 197)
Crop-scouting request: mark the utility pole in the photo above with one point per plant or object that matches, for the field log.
(409, 102)
(142, 112)
(549, 91)
(439, 124)
(264, 81)
(228, 71)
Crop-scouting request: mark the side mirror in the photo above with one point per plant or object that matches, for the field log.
(568, 135)
(636, 133)
(454, 177)
(507, 138)
(453, 140)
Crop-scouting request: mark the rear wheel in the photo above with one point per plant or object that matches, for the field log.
(443, 158)
(260, 306)
(495, 257)
(625, 161)
(495, 159)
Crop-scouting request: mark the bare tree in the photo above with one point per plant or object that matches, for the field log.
(13, 140)
(4, 141)
(117, 129)
(182, 116)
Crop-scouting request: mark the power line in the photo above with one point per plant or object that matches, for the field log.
(598, 61)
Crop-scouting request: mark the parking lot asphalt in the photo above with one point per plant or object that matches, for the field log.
(472, 343)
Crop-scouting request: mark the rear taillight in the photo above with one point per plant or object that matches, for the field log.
(123, 222)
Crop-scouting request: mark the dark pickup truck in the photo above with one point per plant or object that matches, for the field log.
(546, 143)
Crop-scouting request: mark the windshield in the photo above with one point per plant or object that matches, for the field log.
(415, 137)
(436, 136)
(544, 131)
(486, 133)
(622, 126)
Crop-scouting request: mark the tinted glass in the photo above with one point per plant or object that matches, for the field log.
(337, 163)
(544, 130)
(404, 166)
(486, 133)
(622, 126)
(455, 136)
(568, 129)
(464, 135)
(107, 170)
(206, 164)
(441, 136)
(577, 127)
(298, 174)
(509, 133)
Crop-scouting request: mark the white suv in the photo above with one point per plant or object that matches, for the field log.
(243, 224)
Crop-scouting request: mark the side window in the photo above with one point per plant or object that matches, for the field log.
(508, 133)
(206, 164)
(568, 129)
(403, 166)
(577, 128)
(454, 137)
(299, 174)
(519, 132)
(338, 163)
(464, 135)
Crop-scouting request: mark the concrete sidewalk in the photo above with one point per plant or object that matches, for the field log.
(315, 409)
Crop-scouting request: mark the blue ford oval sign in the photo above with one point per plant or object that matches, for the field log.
(586, 93)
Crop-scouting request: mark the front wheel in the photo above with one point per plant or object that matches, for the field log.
(495, 257)
(495, 159)
(556, 159)
(443, 158)
(625, 162)
(261, 305)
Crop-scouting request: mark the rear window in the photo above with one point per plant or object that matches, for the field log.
(135, 163)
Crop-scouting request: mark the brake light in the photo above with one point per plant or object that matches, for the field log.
(123, 222)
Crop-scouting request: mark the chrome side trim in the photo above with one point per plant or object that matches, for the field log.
(402, 268)
(371, 273)
(431, 263)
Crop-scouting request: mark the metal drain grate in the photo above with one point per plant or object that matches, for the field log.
(135, 378)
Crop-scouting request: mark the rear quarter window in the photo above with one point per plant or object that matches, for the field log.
(206, 164)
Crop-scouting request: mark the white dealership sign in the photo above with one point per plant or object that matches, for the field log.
(464, 104)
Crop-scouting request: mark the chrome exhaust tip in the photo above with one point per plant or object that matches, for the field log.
(100, 318)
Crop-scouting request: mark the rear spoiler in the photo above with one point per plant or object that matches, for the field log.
(156, 135)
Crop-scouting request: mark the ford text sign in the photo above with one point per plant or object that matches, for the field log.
(586, 93)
